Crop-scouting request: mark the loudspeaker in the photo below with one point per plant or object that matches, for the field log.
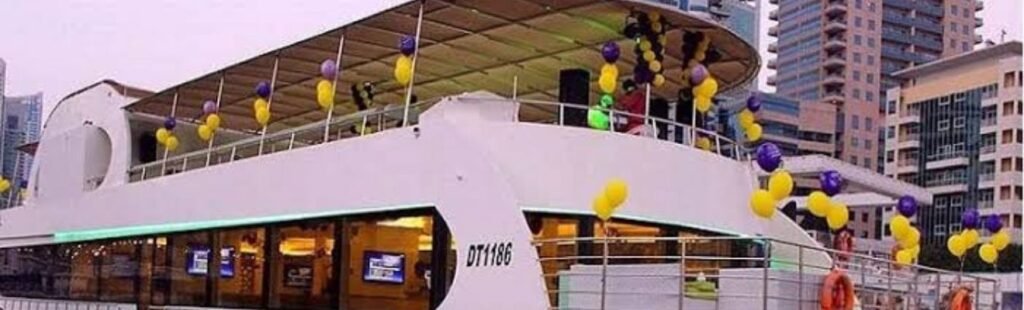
(574, 88)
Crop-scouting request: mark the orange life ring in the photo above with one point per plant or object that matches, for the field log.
(961, 300)
(837, 292)
(843, 242)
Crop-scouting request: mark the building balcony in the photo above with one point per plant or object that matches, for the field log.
(773, 15)
(773, 63)
(909, 144)
(773, 47)
(978, 22)
(835, 43)
(835, 8)
(921, 23)
(896, 35)
(947, 189)
(926, 42)
(910, 137)
(923, 7)
(773, 1)
(979, 5)
(978, 39)
(773, 31)
(902, 55)
(835, 26)
(990, 121)
(834, 97)
(947, 163)
(906, 4)
(986, 204)
(834, 79)
(897, 18)
(834, 62)
(772, 80)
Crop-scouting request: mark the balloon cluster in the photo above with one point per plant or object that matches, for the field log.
(648, 29)
(260, 107)
(325, 87)
(211, 123)
(780, 183)
(165, 135)
(696, 46)
(908, 237)
(403, 65)
(362, 95)
(971, 221)
(748, 122)
(820, 203)
(596, 116)
(609, 199)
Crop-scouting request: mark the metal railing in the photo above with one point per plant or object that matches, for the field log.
(18, 303)
(371, 121)
(733, 273)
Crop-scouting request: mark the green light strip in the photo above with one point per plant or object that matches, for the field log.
(129, 231)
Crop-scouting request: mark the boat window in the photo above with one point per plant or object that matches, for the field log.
(302, 274)
(239, 271)
(389, 263)
(188, 263)
(119, 265)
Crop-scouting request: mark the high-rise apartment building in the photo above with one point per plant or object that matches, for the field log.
(22, 120)
(954, 127)
(795, 127)
(841, 52)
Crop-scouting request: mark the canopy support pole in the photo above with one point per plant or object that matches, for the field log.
(220, 94)
(415, 55)
(270, 101)
(515, 88)
(334, 86)
(174, 109)
(647, 109)
(693, 123)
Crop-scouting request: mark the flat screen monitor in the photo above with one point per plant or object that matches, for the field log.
(197, 259)
(383, 267)
(227, 262)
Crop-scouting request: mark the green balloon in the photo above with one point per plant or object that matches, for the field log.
(607, 100)
(597, 119)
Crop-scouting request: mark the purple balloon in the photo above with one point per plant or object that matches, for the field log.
(170, 123)
(329, 69)
(641, 74)
(754, 103)
(831, 182)
(769, 156)
(907, 206)
(209, 107)
(610, 51)
(263, 89)
(993, 224)
(698, 74)
(407, 45)
(970, 219)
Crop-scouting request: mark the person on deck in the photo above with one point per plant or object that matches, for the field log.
(635, 103)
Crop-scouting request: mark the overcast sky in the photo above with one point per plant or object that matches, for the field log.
(60, 46)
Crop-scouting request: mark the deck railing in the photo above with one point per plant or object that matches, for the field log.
(732, 273)
(389, 117)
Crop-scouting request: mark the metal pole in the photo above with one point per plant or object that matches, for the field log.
(977, 294)
(415, 54)
(270, 101)
(767, 264)
(647, 103)
(220, 93)
(800, 277)
(682, 273)
(913, 292)
(693, 124)
(334, 86)
(515, 87)
(938, 290)
(888, 283)
(174, 108)
(604, 265)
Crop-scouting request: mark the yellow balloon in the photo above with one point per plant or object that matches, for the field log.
(162, 134)
(1001, 239)
(602, 208)
(659, 79)
(172, 143)
(607, 82)
(762, 203)
(649, 56)
(710, 88)
(700, 55)
(915, 251)
(780, 184)
(616, 191)
(325, 94)
(970, 237)
(838, 216)
(819, 203)
(645, 46)
(655, 66)
(259, 103)
(704, 143)
(611, 69)
(912, 239)
(988, 253)
(4, 185)
(654, 16)
(205, 132)
(703, 104)
(899, 226)
(213, 120)
(662, 39)
(263, 116)
(955, 245)
(904, 257)
(746, 118)
(754, 132)
(403, 70)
